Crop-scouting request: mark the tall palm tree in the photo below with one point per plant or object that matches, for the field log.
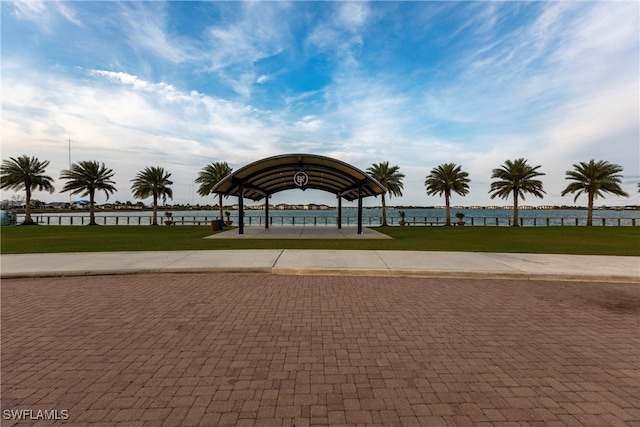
(391, 180)
(516, 178)
(593, 179)
(211, 175)
(85, 178)
(152, 181)
(25, 173)
(444, 179)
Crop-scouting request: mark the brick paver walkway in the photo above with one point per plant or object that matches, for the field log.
(284, 350)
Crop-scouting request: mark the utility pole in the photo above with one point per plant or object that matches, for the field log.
(69, 166)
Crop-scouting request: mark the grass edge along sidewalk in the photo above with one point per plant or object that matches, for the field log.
(619, 241)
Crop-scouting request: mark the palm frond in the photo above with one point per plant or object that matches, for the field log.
(446, 178)
(516, 177)
(152, 181)
(211, 175)
(595, 178)
(86, 177)
(389, 176)
(20, 173)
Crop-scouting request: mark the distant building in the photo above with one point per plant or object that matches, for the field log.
(260, 207)
(56, 205)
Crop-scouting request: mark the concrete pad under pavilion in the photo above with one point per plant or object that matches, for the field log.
(300, 232)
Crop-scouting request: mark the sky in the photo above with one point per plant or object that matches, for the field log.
(181, 85)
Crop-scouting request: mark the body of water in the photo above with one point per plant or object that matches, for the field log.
(371, 216)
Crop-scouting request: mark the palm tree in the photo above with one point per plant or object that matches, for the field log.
(152, 181)
(85, 178)
(593, 179)
(211, 175)
(390, 179)
(516, 178)
(444, 179)
(25, 173)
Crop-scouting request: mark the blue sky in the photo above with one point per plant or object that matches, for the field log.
(418, 84)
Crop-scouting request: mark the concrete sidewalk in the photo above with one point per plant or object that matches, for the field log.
(324, 262)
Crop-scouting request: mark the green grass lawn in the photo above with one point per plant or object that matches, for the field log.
(558, 240)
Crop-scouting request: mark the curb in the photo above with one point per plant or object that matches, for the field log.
(439, 274)
(132, 272)
(447, 274)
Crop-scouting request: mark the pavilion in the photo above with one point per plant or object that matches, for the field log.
(260, 179)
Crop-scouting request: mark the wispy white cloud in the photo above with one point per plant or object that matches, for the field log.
(254, 35)
(68, 12)
(596, 123)
(228, 50)
(352, 16)
(342, 32)
(257, 32)
(146, 25)
(136, 83)
(31, 10)
(44, 13)
(530, 72)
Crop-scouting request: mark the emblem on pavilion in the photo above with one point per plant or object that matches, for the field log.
(301, 179)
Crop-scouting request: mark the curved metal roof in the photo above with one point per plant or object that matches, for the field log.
(274, 174)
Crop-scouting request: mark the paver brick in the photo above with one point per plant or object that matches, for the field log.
(281, 350)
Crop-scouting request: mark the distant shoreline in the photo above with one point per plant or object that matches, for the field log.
(271, 208)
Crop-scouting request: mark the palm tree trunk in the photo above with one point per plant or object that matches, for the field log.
(220, 205)
(155, 209)
(27, 207)
(384, 212)
(92, 215)
(448, 208)
(590, 209)
(515, 209)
